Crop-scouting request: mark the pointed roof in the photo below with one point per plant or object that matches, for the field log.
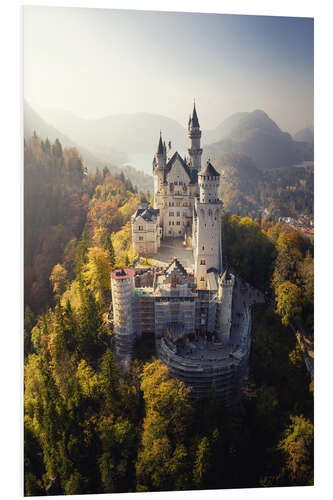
(147, 212)
(226, 275)
(190, 172)
(195, 121)
(175, 265)
(209, 170)
(160, 149)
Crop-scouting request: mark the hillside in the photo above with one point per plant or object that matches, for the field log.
(256, 135)
(33, 122)
(132, 132)
(247, 190)
(305, 135)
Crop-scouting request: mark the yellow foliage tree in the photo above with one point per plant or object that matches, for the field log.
(96, 273)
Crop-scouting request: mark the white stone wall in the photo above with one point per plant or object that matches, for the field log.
(208, 186)
(195, 150)
(122, 301)
(175, 201)
(207, 253)
(146, 235)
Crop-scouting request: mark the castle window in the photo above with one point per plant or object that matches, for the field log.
(178, 223)
(180, 232)
(185, 204)
(203, 248)
(171, 214)
(178, 214)
(202, 278)
(176, 183)
(169, 222)
(210, 212)
(171, 187)
(184, 188)
(140, 228)
(140, 238)
(202, 262)
(180, 183)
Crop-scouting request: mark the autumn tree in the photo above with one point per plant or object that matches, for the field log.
(288, 301)
(296, 446)
(59, 280)
(163, 460)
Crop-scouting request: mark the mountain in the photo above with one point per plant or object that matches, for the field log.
(132, 132)
(223, 129)
(305, 135)
(34, 122)
(259, 137)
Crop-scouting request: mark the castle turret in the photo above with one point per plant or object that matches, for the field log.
(194, 134)
(123, 288)
(225, 289)
(208, 209)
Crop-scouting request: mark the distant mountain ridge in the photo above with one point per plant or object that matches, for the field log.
(35, 123)
(130, 132)
(259, 137)
(305, 135)
(252, 133)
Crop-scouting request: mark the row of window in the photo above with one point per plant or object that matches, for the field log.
(171, 214)
(178, 204)
(172, 223)
(179, 232)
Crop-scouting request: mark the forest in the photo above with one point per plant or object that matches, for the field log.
(245, 189)
(91, 429)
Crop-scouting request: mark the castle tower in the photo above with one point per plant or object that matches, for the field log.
(225, 288)
(194, 134)
(207, 242)
(159, 164)
(123, 291)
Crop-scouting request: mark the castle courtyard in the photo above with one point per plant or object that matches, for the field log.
(174, 247)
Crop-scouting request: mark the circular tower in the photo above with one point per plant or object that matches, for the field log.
(123, 290)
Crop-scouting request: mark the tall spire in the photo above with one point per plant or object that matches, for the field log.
(195, 121)
(160, 149)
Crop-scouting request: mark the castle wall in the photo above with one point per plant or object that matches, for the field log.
(175, 201)
(180, 309)
(146, 235)
(225, 309)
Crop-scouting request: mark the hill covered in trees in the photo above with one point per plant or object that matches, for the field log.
(305, 135)
(109, 157)
(91, 429)
(247, 190)
(259, 137)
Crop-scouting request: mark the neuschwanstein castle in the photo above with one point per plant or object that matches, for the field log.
(185, 299)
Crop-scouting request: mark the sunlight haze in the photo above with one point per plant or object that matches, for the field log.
(96, 62)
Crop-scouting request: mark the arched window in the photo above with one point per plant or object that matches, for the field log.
(171, 187)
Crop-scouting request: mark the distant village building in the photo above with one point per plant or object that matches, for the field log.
(188, 310)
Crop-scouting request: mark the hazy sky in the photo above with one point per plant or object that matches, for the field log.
(96, 62)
